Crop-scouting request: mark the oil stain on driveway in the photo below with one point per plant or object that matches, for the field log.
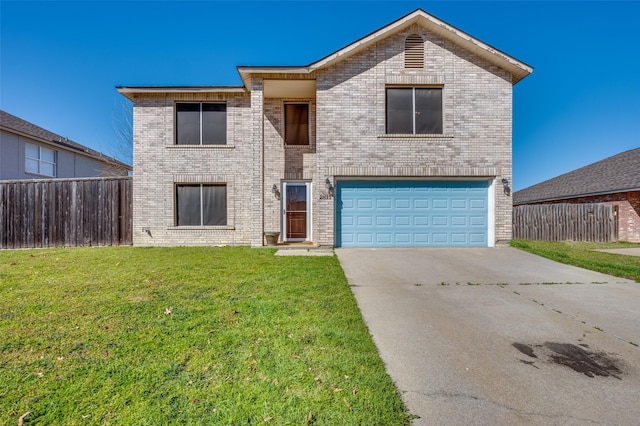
(500, 336)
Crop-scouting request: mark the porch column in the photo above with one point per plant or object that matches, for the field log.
(257, 162)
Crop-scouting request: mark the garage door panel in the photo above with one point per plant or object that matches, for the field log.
(421, 220)
(458, 204)
(402, 238)
(364, 221)
(440, 220)
(440, 238)
(477, 204)
(458, 220)
(478, 238)
(364, 203)
(440, 203)
(384, 203)
(402, 203)
(403, 221)
(383, 221)
(410, 213)
(421, 239)
(477, 220)
(384, 238)
(421, 203)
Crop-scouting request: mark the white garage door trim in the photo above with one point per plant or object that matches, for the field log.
(344, 183)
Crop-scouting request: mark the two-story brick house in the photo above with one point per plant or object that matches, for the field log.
(401, 138)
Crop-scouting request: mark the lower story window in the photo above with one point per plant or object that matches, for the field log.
(39, 160)
(201, 205)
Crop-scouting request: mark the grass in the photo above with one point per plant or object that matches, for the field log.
(149, 336)
(583, 255)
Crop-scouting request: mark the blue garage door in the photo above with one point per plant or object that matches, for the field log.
(411, 213)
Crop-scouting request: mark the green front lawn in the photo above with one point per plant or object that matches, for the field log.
(150, 336)
(583, 255)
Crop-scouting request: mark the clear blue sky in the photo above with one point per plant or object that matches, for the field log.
(60, 61)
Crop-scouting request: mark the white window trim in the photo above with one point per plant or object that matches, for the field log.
(40, 161)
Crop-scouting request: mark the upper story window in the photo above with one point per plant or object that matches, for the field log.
(39, 160)
(414, 110)
(201, 123)
(413, 51)
(201, 205)
(296, 124)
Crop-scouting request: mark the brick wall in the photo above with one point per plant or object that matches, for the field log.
(351, 122)
(159, 164)
(347, 121)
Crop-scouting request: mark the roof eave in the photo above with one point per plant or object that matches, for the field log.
(132, 91)
(572, 196)
(246, 71)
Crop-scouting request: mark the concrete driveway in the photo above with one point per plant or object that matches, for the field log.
(499, 336)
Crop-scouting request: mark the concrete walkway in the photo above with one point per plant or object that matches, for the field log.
(480, 336)
(635, 251)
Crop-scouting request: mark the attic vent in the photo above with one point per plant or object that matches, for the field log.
(413, 52)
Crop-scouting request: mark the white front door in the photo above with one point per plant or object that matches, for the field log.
(296, 211)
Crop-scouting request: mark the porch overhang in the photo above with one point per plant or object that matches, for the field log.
(305, 89)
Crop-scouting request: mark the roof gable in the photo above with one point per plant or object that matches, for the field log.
(516, 68)
(619, 173)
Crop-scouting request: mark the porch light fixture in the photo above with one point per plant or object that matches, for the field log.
(327, 184)
(275, 191)
(505, 186)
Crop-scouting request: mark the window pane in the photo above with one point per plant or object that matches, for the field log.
(296, 124)
(47, 169)
(188, 124)
(31, 151)
(48, 155)
(428, 111)
(214, 124)
(31, 166)
(214, 205)
(188, 205)
(400, 111)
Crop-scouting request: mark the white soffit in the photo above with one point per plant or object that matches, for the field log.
(290, 89)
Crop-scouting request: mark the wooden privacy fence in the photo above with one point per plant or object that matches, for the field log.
(566, 222)
(65, 212)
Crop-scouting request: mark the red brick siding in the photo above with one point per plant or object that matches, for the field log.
(628, 211)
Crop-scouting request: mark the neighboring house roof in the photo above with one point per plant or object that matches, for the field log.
(518, 69)
(620, 173)
(22, 127)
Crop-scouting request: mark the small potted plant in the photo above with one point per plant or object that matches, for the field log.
(272, 238)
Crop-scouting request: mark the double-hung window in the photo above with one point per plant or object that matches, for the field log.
(201, 205)
(414, 110)
(201, 123)
(39, 160)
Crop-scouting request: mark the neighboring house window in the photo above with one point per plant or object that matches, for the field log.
(201, 205)
(202, 123)
(413, 52)
(39, 160)
(296, 124)
(414, 110)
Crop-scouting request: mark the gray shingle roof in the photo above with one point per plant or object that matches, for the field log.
(619, 173)
(11, 122)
